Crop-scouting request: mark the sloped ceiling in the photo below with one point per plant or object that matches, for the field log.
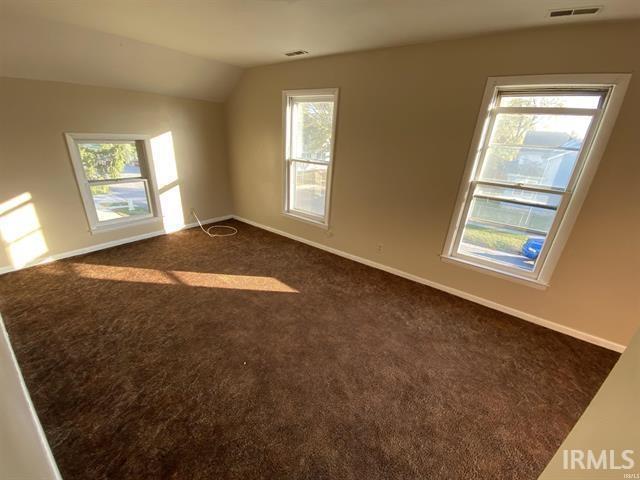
(44, 50)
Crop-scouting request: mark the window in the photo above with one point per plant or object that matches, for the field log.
(113, 175)
(534, 153)
(310, 122)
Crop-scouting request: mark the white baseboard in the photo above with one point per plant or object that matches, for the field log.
(113, 243)
(587, 337)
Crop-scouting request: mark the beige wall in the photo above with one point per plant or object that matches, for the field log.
(405, 122)
(34, 158)
(25, 452)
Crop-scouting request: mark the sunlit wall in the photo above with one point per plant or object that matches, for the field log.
(22, 237)
(166, 172)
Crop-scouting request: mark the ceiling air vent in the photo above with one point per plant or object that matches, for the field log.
(570, 12)
(296, 53)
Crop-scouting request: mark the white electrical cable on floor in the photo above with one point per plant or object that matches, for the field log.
(233, 231)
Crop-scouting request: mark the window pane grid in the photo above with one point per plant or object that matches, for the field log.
(312, 162)
(496, 230)
(109, 181)
(526, 166)
(546, 110)
(515, 201)
(309, 132)
(509, 226)
(530, 153)
(113, 179)
(521, 186)
(538, 147)
(550, 199)
(564, 98)
(521, 199)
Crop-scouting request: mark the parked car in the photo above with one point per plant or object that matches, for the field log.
(531, 248)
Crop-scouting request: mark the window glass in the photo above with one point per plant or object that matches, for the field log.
(312, 124)
(109, 161)
(534, 149)
(529, 165)
(116, 201)
(540, 130)
(542, 100)
(309, 187)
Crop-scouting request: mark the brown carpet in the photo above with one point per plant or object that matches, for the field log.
(255, 356)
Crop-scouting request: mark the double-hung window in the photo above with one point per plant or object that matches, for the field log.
(309, 121)
(114, 177)
(536, 147)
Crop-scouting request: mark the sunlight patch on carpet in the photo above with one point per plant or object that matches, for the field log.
(177, 277)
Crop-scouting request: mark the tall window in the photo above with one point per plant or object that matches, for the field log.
(113, 176)
(310, 119)
(534, 153)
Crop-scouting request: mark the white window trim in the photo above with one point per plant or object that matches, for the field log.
(316, 220)
(618, 84)
(147, 167)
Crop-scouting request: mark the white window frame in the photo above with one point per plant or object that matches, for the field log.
(572, 198)
(147, 176)
(287, 98)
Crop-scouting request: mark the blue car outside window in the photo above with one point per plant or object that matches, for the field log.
(531, 248)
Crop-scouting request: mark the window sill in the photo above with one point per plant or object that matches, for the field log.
(304, 218)
(530, 282)
(125, 224)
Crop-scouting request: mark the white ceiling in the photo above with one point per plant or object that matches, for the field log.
(252, 32)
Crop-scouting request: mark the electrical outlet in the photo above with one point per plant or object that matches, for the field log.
(380, 247)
